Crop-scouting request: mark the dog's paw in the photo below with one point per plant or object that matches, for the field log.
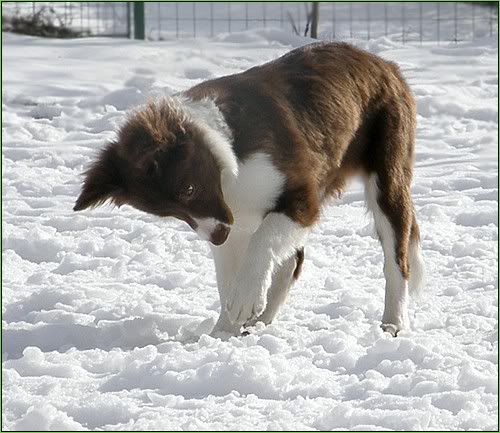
(390, 328)
(223, 335)
(224, 329)
(244, 305)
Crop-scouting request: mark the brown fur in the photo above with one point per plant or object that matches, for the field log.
(325, 112)
(299, 259)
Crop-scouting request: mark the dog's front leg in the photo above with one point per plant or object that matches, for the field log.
(227, 258)
(276, 239)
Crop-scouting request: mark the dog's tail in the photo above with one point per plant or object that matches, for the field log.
(416, 281)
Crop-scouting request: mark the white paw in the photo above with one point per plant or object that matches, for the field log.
(224, 329)
(393, 323)
(244, 304)
(223, 335)
(390, 329)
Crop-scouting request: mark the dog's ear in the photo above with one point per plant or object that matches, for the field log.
(102, 180)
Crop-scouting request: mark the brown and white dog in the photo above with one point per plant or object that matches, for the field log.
(247, 160)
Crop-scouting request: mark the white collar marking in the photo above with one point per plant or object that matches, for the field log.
(208, 118)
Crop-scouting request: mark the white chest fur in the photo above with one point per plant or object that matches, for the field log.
(253, 192)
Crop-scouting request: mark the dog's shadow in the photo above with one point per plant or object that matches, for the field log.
(106, 335)
(46, 319)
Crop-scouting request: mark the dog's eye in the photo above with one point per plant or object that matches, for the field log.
(187, 192)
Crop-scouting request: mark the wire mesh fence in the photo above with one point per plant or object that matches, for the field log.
(408, 22)
(83, 18)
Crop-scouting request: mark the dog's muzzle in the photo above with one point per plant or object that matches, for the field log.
(220, 234)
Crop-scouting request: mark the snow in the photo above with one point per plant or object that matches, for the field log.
(105, 312)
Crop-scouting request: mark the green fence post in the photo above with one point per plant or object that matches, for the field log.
(139, 20)
(129, 24)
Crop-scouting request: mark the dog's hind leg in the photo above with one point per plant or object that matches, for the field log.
(388, 162)
(283, 278)
(227, 258)
(393, 229)
(396, 227)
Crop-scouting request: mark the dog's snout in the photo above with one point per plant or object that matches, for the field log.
(220, 234)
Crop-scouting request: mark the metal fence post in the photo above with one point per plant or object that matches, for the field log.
(139, 20)
(314, 20)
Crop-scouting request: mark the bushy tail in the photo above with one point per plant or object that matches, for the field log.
(416, 281)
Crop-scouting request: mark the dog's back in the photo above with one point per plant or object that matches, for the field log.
(323, 111)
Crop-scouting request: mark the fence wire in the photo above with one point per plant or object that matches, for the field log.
(408, 22)
(85, 18)
(404, 21)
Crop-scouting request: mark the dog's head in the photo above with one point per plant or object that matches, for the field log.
(161, 164)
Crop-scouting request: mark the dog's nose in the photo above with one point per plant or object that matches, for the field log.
(220, 234)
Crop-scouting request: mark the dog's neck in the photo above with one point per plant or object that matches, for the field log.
(217, 135)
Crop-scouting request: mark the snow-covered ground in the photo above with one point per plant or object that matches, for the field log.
(105, 312)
